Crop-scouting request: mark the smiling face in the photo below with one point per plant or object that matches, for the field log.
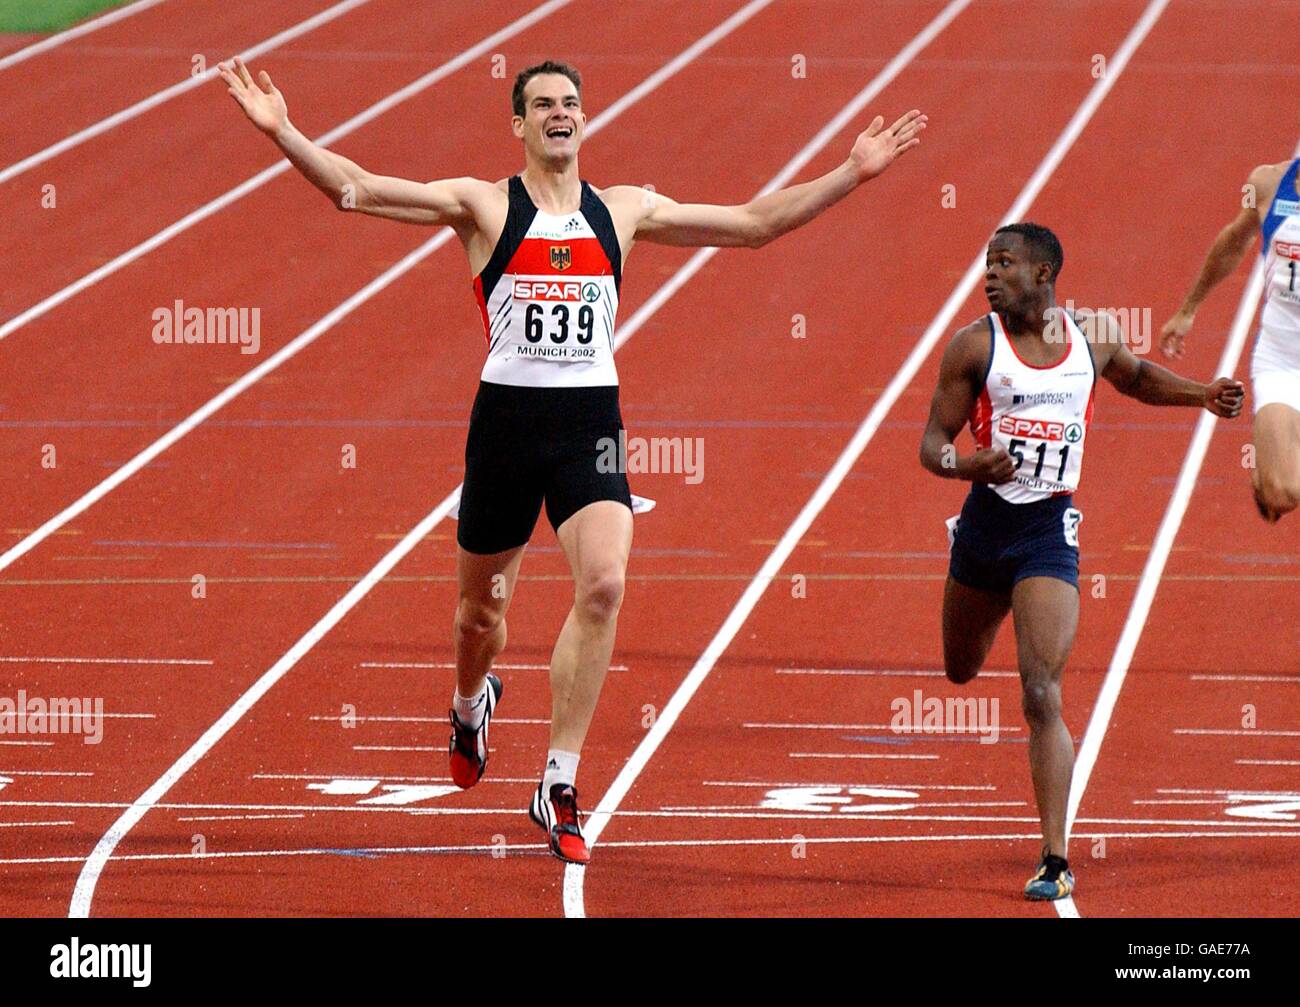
(1011, 277)
(553, 122)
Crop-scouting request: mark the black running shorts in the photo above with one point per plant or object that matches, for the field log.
(529, 446)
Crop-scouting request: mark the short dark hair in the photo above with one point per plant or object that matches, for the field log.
(525, 75)
(1043, 245)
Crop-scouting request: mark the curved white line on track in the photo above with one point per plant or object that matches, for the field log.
(46, 44)
(345, 128)
(1149, 583)
(83, 893)
(168, 93)
(574, 901)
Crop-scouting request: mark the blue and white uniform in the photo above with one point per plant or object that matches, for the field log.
(1275, 364)
(1039, 415)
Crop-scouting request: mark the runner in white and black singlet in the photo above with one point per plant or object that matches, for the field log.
(1271, 209)
(547, 252)
(1022, 377)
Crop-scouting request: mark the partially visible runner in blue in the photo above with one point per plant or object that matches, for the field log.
(1271, 208)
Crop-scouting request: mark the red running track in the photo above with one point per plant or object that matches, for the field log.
(257, 502)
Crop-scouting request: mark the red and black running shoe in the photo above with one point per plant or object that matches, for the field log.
(558, 816)
(469, 747)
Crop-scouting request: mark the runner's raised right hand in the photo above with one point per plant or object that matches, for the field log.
(262, 102)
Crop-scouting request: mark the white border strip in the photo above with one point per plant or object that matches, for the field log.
(574, 875)
(188, 84)
(45, 44)
(84, 892)
(280, 167)
(1149, 583)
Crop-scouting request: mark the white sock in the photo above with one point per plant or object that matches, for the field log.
(561, 767)
(471, 712)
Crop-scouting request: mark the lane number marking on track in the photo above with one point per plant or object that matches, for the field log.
(1278, 809)
(827, 799)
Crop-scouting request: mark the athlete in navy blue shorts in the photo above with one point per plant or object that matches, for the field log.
(1023, 377)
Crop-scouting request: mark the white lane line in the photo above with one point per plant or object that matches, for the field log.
(370, 809)
(398, 748)
(513, 811)
(1268, 762)
(848, 810)
(280, 167)
(540, 848)
(573, 875)
(100, 660)
(869, 727)
(41, 772)
(382, 777)
(1248, 794)
(168, 93)
(821, 727)
(1288, 679)
(31, 744)
(862, 755)
(900, 816)
(30, 825)
(1226, 799)
(81, 715)
(857, 814)
(1149, 582)
(336, 717)
(872, 672)
(58, 39)
(886, 786)
(83, 893)
(975, 838)
(451, 664)
(1237, 732)
(232, 818)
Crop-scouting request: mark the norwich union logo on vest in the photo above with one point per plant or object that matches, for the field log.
(191, 326)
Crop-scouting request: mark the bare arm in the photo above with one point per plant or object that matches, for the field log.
(1159, 386)
(761, 220)
(347, 184)
(960, 373)
(1225, 255)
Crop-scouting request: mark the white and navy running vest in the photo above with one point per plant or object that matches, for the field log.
(1038, 415)
(1281, 250)
(549, 295)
